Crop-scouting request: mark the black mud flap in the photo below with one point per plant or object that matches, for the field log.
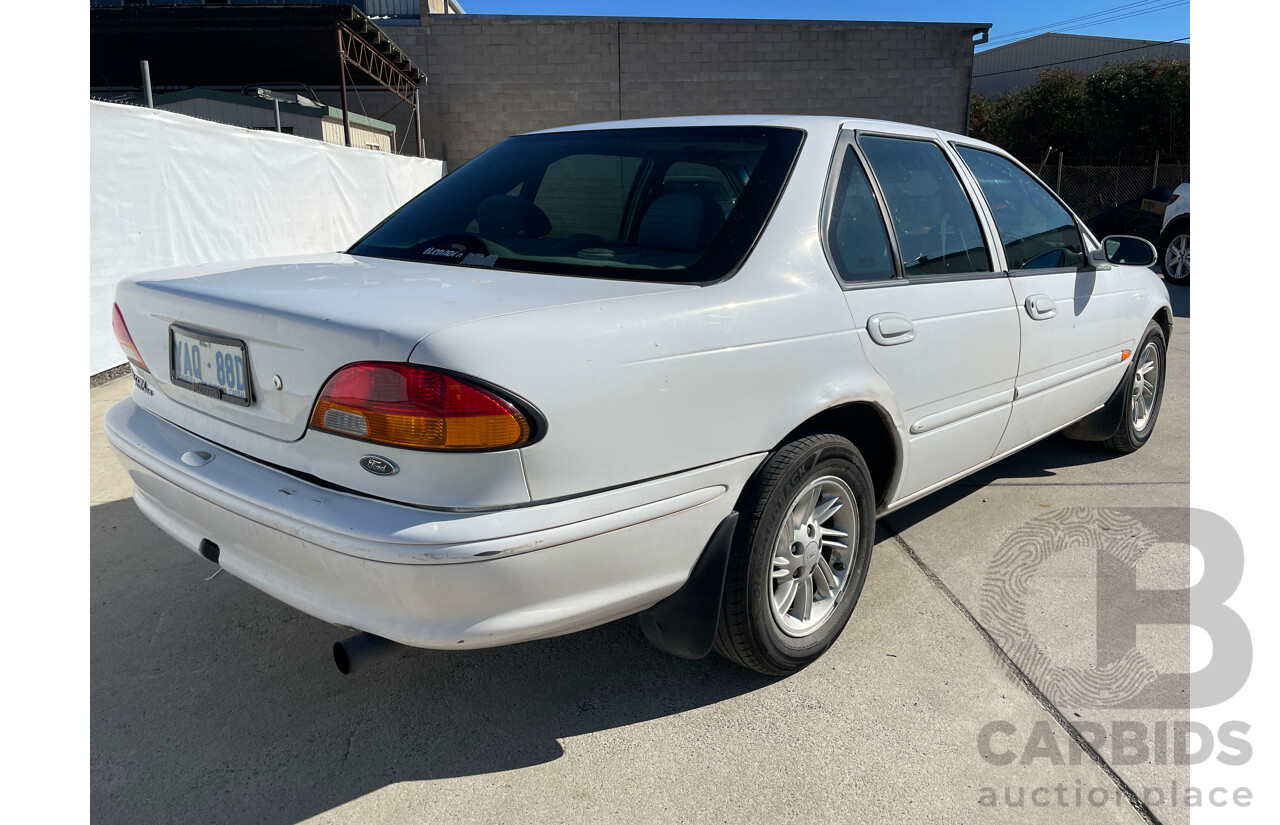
(684, 623)
(1104, 423)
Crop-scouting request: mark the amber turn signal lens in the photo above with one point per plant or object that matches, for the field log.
(407, 406)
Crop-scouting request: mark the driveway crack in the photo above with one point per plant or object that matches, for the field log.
(347, 752)
(1134, 799)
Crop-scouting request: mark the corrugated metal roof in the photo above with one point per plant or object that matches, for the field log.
(1002, 68)
(261, 103)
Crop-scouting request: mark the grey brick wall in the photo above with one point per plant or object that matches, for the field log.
(493, 76)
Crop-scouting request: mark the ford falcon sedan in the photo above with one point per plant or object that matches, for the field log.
(674, 368)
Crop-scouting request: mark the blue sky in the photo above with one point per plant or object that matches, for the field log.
(1138, 19)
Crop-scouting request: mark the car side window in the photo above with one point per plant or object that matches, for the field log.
(856, 234)
(586, 194)
(1037, 232)
(933, 219)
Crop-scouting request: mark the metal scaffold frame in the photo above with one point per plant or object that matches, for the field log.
(354, 50)
(187, 47)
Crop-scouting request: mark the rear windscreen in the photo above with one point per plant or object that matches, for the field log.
(681, 205)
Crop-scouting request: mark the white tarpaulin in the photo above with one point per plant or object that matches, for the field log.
(170, 190)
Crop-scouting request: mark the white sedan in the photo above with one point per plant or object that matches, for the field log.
(671, 367)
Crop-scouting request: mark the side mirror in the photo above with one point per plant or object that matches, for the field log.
(1124, 250)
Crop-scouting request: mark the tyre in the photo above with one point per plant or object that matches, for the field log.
(1145, 383)
(1175, 255)
(800, 555)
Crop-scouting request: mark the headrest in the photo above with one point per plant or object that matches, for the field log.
(682, 222)
(920, 184)
(506, 216)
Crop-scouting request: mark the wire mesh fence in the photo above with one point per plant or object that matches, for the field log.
(123, 98)
(1095, 185)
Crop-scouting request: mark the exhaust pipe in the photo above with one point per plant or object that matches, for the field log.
(361, 650)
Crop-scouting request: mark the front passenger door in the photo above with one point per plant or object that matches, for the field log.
(1072, 314)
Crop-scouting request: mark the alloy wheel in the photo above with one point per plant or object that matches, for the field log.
(813, 556)
(1177, 258)
(1146, 379)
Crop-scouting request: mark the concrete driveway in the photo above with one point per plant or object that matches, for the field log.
(213, 703)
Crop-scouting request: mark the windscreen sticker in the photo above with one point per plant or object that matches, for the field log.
(444, 253)
(476, 259)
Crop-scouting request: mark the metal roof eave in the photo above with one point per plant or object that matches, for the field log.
(321, 111)
(190, 44)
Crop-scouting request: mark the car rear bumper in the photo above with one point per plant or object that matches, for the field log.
(427, 578)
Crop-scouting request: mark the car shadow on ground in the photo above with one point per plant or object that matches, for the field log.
(212, 702)
(1042, 460)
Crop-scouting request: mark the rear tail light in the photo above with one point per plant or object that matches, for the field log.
(126, 340)
(418, 408)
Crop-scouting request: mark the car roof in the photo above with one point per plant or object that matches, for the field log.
(809, 123)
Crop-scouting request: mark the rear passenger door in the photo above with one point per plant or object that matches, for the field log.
(935, 316)
(1072, 314)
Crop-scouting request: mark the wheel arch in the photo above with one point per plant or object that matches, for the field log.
(1176, 225)
(870, 427)
(1164, 317)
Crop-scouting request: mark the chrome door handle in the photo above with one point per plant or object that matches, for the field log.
(1041, 307)
(890, 328)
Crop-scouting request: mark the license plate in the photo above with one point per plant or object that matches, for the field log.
(209, 364)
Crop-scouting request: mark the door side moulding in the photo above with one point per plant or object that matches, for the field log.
(1033, 387)
(951, 416)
